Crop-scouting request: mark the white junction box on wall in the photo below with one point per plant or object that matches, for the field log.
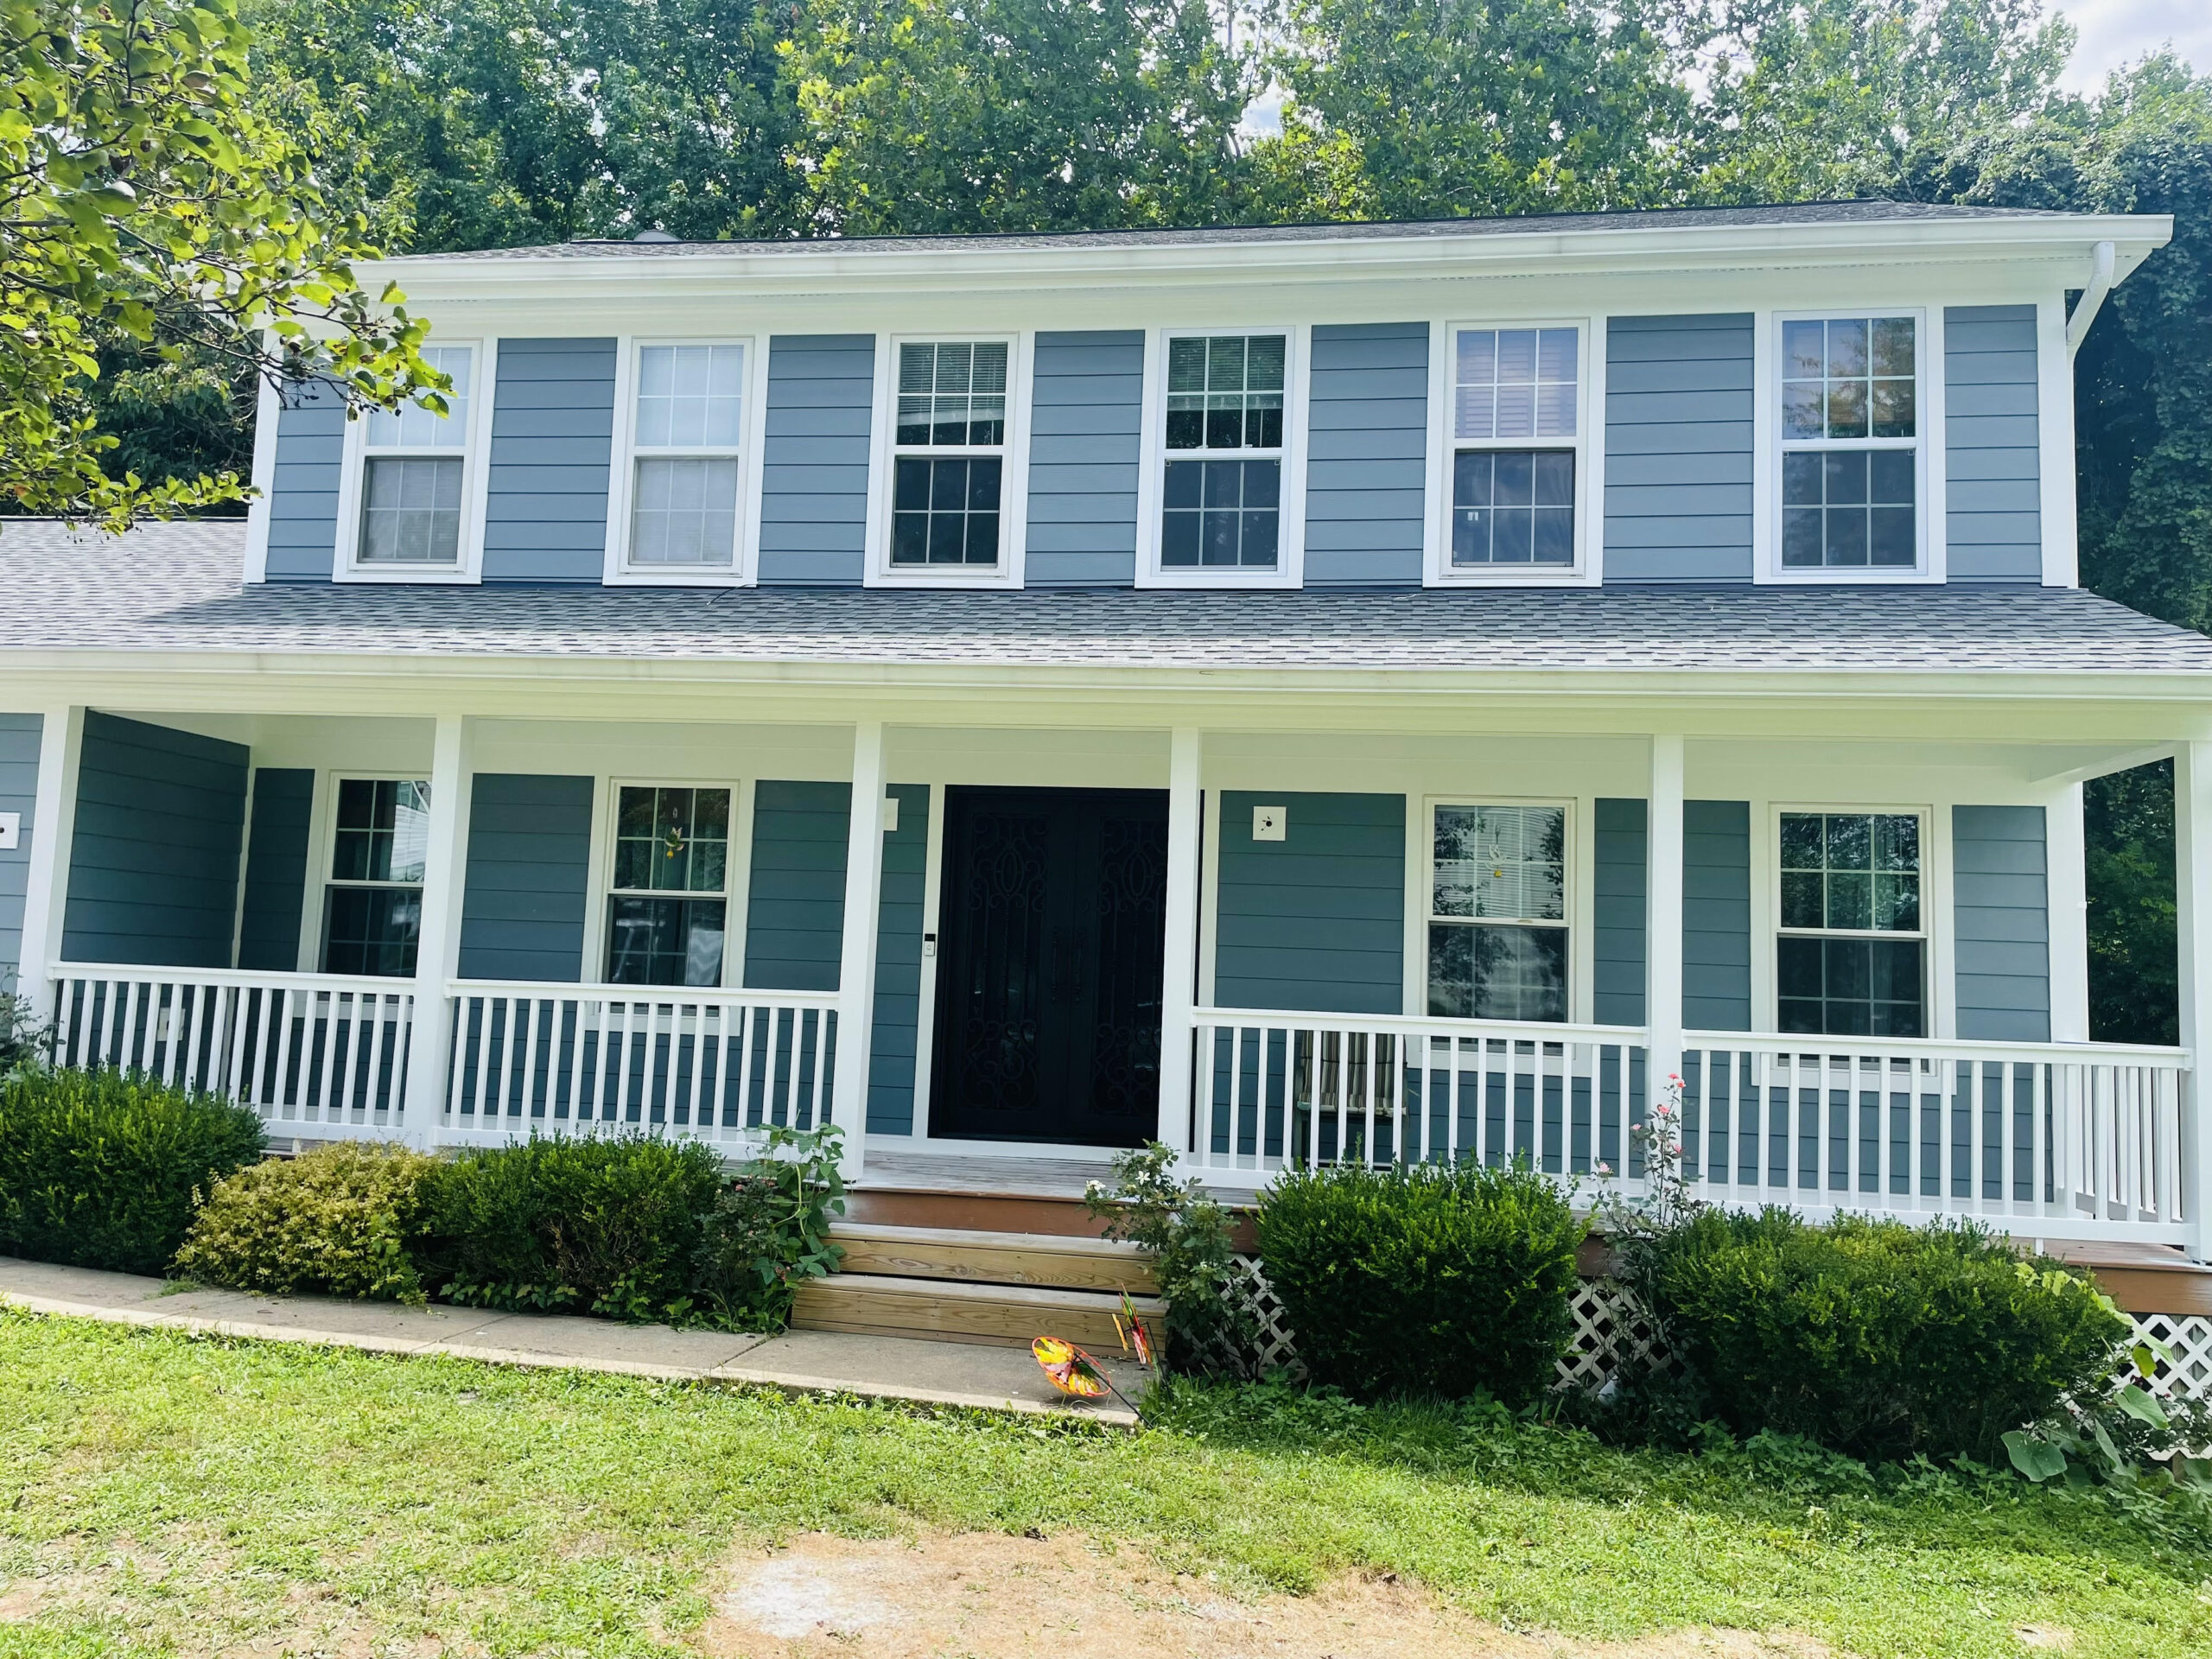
(1269, 822)
(12, 830)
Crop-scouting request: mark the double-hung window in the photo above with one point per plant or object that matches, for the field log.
(1853, 476)
(372, 905)
(1851, 957)
(686, 459)
(668, 905)
(1517, 451)
(413, 490)
(949, 442)
(1497, 923)
(1222, 489)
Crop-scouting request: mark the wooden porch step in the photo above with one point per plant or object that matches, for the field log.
(1009, 1316)
(1039, 1261)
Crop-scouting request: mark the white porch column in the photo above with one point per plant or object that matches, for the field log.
(437, 953)
(1662, 935)
(2193, 942)
(1178, 996)
(46, 877)
(856, 962)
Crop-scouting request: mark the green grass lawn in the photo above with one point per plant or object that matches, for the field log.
(190, 1495)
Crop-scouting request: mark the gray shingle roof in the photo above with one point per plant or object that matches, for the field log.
(175, 587)
(1810, 212)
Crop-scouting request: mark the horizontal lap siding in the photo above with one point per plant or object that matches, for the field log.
(154, 863)
(898, 965)
(1620, 891)
(1366, 454)
(1993, 489)
(1086, 412)
(552, 443)
(1717, 915)
(2001, 923)
(795, 911)
(303, 492)
(1678, 448)
(275, 869)
(529, 878)
(19, 744)
(814, 483)
(1317, 920)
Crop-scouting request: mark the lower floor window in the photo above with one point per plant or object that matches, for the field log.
(1497, 913)
(1513, 506)
(1851, 959)
(1221, 515)
(411, 511)
(666, 941)
(1497, 973)
(1850, 988)
(945, 510)
(372, 931)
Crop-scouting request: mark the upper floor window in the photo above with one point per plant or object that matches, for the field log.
(372, 907)
(1850, 959)
(1497, 926)
(949, 442)
(1853, 484)
(686, 455)
(1221, 495)
(415, 474)
(1517, 451)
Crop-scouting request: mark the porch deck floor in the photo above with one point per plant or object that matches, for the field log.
(798, 1361)
(957, 1170)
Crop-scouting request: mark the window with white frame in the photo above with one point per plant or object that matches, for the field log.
(1851, 443)
(1497, 927)
(1850, 956)
(372, 905)
(949, 454)
(668, 904)
(685, 457)
(1516, 448)
(414, 474)
(1221, 497)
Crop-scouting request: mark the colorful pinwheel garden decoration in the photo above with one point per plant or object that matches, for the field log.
(1076, 1373)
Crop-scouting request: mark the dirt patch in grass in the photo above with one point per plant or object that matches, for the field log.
(987, 1596)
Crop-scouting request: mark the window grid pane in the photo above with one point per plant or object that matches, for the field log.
(672, 840)
(1849, 377)
(1516, 383)
(412, 427)
(1226, 392)
(664, 941)
(1843, 508)
(411, 511)
(1500, 863)
(945, 511)
(1856, 874)
(1221, 515)
(689, 396)
(1513, 506)
(383, 830)
(952, 393)
(684, 512)
(372, 931)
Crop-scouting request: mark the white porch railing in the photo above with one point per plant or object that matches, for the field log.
(724, 1065)
(2046, 1140)
(303, 1050)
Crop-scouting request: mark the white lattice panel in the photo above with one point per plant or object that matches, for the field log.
(1276, 1350)
(2189, 1336)
(1611, 1330)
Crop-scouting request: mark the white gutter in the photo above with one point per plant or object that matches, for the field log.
(2093, 296)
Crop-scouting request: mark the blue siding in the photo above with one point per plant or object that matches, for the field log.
(303, 495)
(1717, 915)
(154, 864)
(2002, 919)
(1678, 448)
(522, 908)
(19, 744)
(1317, 919)
(1367, 453)
(795, 912)
(1992, 438)
(1086, 408)
(1620, 893)
(552, 435)
(814, 484)
(275, 869)
(898, 965)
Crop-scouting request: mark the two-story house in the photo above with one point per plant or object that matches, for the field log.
(1329, 691)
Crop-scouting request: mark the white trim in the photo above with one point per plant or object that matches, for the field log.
(2193, 919)
(267, 411)
(932, 953)
(884, 451)
(1211, 811)
(246, 860)
(1289, 570)
(437, 957)
(1926, 445)
(857, 955)
(322, 793)
(2057, 501)
(475, 458)
(1665, 839)
(622, 470)
(1420, 851)
(739, 882)
(2066, 898)
(1586, 447)
(1937, 992)
(1185, 770)
(53, 833)
(604, 891)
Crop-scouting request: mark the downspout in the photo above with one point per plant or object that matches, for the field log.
(2085, 310)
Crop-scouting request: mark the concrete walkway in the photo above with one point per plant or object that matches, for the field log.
(799, 1362)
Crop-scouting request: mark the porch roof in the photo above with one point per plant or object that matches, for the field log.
(177, 589)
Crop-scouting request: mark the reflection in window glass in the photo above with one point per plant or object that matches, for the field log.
(1221, 513)
(952, 393)
(1850, 410)
(1513, 506)
(669, 841)
(1498, 942)
(1226, 392)
(373, 908)
(1851, 874)
(944, 510)
(1515, 383)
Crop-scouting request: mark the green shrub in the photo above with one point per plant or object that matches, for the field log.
(1187, 1233)
(344, 1218)
(1877, 1339)
(98, 1169)
(767, 1228)
(1423, 1279)
(603, 1225)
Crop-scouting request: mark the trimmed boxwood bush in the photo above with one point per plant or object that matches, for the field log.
(1877, 1339)
(344, 1218)
(100, 1169)
(599, 1225)
(1423, 1279)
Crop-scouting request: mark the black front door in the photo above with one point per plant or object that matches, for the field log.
(1054, 918)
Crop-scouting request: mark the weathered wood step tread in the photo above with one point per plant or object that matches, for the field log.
(960, 1255)
(881, 1305)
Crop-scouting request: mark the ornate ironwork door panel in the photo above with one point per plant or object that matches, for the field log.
(1054, 920)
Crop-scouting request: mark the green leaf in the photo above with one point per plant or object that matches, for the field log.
(2142, 1405)
(2035, 1459)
